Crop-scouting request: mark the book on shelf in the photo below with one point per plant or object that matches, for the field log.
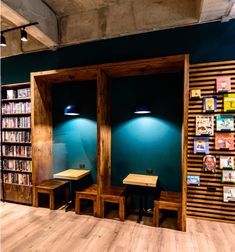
(16, 136)
(228, 176)
(193, 180)
(17, 178)
(209, 163)
(17, 165)
(229, 103)
(227, 162)
(225, 123)
(16, 108)
(205, 125)
(229, 193)
(209, 103)
(16, 150)
(201, 145)
(16, 122)
(224, 141)
(11, 94)
(223, 84)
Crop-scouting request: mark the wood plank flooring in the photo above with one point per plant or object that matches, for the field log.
(25, 228)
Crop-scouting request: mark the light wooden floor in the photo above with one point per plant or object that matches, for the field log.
(25, 228)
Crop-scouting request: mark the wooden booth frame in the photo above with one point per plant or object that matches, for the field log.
(41, 103)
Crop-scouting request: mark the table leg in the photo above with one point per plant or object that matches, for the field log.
(140, 207)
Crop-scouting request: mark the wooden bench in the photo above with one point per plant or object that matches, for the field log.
(114, 194)
(168, 201)
(90, 193)
(51, 187)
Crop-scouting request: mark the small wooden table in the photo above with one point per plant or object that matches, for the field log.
(141, 182)
(71, 174)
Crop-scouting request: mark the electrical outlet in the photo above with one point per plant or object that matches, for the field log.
(149, 171)
(82, 166)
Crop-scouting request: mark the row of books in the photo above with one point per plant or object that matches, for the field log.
(17, 178)
(16, 108)
(16, 136)
(19, 93)
(205, 124)
(16, 150)
(16, 122)
(17, 165)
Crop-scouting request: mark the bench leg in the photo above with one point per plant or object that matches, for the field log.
(94, 208)
(156, 215)
(52, 200)
(35, 197)
(102, 202)
(122, 209)
(77, 205)
(179, 219)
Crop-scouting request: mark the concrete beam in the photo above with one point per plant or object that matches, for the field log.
(26, 11)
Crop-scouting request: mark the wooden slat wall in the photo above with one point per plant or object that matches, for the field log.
(201, 203)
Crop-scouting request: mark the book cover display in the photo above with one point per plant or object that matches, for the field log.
(224, 141)
(209, 163)
(229, 103)
(229, 193)
(209, 103)
(225, 123)
(195, 94)
(205, 125)
(223, 84)
(228, 176)
(193, 180)
(201, 145)
(227, 162)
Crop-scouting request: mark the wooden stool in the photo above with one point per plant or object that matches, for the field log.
(114, 194)
(89, 193)
(168, 201)
(50, 187)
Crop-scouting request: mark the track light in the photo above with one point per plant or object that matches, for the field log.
(23, 34)
(3, 40)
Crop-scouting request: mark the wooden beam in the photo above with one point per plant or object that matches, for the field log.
(35, 31)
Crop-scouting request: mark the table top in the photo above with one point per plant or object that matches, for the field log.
(72, 174)
(141, 180)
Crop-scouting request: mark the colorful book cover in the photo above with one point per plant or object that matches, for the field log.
(228, 176)
(229, 102)
(224, 141)
(209, 103)
(223, 84)
(229, 193)
(225, 123)
(201, 145)
(205, 125)
(227, 162)
(195, 93)
(209, 163)
(193, 180)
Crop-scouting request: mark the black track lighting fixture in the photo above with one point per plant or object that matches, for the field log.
(2, 40)
(23, 33)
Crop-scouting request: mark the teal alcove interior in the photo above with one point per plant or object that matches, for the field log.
(153, 141)
(74, 137)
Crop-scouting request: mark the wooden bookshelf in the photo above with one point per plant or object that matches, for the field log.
(17, 180)
(201, 202)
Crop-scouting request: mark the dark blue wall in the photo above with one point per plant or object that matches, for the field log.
(207, 42)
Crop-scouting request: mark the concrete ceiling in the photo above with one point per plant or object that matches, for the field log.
(69, 22)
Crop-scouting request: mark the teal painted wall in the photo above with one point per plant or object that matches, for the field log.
(75, 137)
(152, 141)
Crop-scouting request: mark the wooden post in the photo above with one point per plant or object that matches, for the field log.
(104, 137)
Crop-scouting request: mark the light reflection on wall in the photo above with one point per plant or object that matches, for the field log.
(148, 142)
(74, 143)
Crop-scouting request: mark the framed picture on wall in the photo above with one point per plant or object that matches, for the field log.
(225, 123)
(228, 176)
(205, 125)
(229, 102)
(223, 84)
(224, 141)
(229, 193)
(209, 103)
(193, 180)
(201, 145)
(209, 163)
(227, 162)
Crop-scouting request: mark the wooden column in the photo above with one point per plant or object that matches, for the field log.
(104, 136)
(41, 121)
(185, 142)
